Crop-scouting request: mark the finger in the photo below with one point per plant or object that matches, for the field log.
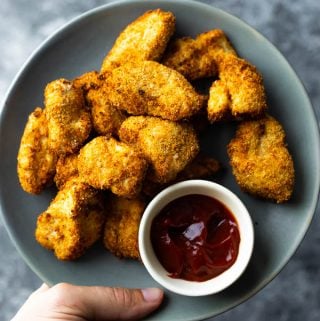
(103, 303)
(106, 303)
(43, 288)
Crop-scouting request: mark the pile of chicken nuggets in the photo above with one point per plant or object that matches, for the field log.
(111, 139)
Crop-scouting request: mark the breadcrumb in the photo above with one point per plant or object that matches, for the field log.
(105, 163)
(69, 122)
(36, 161)
(195, 58)
(73, 221)
(168, 146)
(67, 167)
(122, 226)
(144, 39)
(149, 88)
(260, 160)
(239, 93)
(106, 118)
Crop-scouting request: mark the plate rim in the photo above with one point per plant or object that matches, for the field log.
(105, 7)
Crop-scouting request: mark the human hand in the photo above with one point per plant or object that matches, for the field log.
(66, 302)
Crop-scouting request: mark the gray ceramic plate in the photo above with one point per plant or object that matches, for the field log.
(80, 47)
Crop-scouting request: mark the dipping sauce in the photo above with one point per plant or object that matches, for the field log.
(195, 237)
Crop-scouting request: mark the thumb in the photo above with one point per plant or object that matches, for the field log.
(106, 303)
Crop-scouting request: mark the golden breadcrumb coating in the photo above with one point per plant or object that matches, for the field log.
(106, 118)
(105, 163)
(168, 146)
(73, 221)
(144, 39)
(122, 226)
(219, 102)
(69, 122)
(149, 88)
(239, 93)
(195, 58)
(36, 162)
(67, 167)
(260, 160)
(201, 167)
(88, 81)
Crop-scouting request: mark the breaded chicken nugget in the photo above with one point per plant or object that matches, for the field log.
(106, 118)
(67, 167)
(149, 88)
(195, 58)
(36, 162)
(239, 93)
(89, 80)
(69, 122)
(168, 146)
(260, 160)
(144, 39)
(73, 221)
(201, 167)
(122, 226)
(108, 164)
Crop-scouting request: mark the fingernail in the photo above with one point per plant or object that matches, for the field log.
(152, 294)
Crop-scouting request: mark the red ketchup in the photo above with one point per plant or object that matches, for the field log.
(195, 237)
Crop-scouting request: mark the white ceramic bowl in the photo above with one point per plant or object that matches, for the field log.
(218, 283)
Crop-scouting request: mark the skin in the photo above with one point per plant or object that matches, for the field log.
(67, 302)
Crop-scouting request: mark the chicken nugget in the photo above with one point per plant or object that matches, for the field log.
(87, 81)
(239, 93)
(69, 122)
(149, 88)
(168, 146)
(73, 221)
(105, 163)
(67, 167)
(202, 167)
(106, 118)
(144, 39)
(195, 58)
(36, 161)
(122, 226)
(260, 160)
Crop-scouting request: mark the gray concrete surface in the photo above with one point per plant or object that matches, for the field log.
(294, 27)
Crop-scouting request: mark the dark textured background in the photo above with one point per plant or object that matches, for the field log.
(294, 27)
